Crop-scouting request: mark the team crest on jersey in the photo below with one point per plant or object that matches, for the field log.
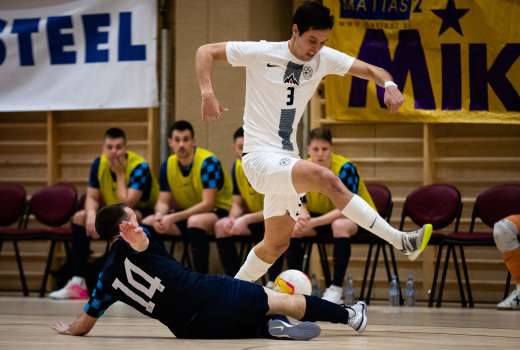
(292, 73)
(284, 161)
(307, 72)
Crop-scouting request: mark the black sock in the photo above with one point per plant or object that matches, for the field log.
(318, 309)
(341, 256)
(276, 268)
(228, 255)
(199, 242)
(295, 254)
(80, 250)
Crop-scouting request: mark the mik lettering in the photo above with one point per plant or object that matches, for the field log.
(409, 58)
(61, 42)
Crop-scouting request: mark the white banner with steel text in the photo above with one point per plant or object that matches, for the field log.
(77, 54)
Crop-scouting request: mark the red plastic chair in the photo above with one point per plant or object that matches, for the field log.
(12, 210)
(440, 205)
(490, 206)
(53, 206)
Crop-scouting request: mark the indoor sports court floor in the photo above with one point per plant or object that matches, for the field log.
(24, 325)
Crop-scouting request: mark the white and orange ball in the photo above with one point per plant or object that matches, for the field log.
(293, 282)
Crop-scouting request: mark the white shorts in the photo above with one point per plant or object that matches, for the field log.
(271, 174)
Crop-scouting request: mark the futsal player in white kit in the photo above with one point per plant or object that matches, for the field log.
(281, 77)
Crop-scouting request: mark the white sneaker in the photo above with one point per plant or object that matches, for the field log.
(359, 320)
(415, 242)
(333, 294)
(512, 302)
(74, 289)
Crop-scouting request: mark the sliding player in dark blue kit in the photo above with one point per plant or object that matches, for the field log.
(139, 272)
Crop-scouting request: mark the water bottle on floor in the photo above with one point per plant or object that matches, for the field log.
(348, 291)
(393, 296)
(409, 293)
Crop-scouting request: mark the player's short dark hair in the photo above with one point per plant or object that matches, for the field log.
(114, 133)
(238, 133)
(312, 15)
(182, 125)
(320, 134)
(108, 219)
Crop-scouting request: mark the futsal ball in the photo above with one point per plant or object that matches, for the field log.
(293, 282)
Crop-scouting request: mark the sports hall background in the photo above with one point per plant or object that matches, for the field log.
(42, 148)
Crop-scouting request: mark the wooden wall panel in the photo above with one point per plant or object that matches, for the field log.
(191, 25)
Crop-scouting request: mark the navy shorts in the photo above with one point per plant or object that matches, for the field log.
(235, 309)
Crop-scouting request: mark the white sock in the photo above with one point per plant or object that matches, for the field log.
(518, 287)
(365, 216)
(253, 268)
(78, 280)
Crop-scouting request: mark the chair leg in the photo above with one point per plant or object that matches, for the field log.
(172, 248)
(385, 259)
(307, 248)
(47, 268)
(67, 250)
(394, 267)
(372, 275)
(506, 290)
(466, 276)
(242, 250)
(459, 280)
(443, 278)
(435, 276)
(324, 263)
(186, 259)
(25, 290)
(365, 273)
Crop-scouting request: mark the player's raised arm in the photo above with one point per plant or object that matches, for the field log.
(204, 57)
(81, 326)
(393, 97)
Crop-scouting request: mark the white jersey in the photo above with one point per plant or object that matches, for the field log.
(278, 88)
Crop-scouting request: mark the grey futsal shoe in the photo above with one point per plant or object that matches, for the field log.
(301, 331)
(359, 320)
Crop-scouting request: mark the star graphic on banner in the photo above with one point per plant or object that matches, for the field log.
(450, 17)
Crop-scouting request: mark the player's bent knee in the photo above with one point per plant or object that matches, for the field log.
(342, 228)
(148, 220)
(330, 182)
(79, 218)
(505, 234)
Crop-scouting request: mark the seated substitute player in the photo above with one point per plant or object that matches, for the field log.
(324, 216)
(140, 273)
(245, 217)
(193, 179)
(118, 175)
(506, 234)
(281, 77)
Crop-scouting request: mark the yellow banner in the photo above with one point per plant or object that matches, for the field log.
(455, 60)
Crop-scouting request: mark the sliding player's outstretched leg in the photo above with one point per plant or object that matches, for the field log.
(309, 309)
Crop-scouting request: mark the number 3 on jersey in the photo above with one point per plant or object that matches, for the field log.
(290, 95)
(285, 128)
(155, 285)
